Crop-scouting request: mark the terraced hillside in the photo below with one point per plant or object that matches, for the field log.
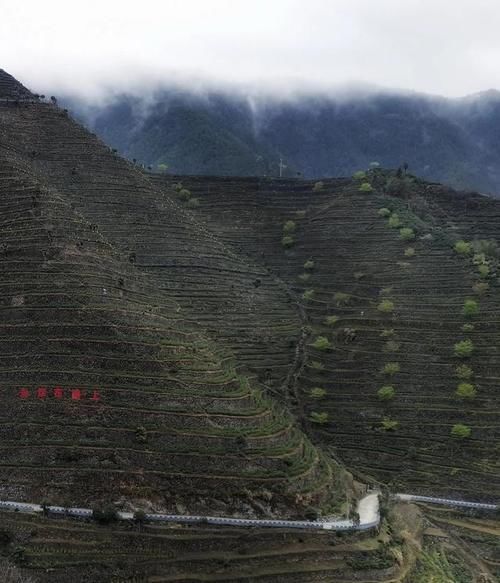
(57, 551)
(236, 300)
(109, 389)
(393, 312)
(11, 89)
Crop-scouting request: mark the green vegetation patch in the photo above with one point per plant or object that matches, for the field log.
(386, 306)
(463, 247)
(461, 431)
(466, 390)
(407, 234)
(464, 348)
(386, 393)
(289, 227)
(321, 343)
(391, 368)
(319, 418)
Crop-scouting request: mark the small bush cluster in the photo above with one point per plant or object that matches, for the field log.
(470, 309)
(321, 343)
(320, 418)
(308, 294)
(287, 241)
(193, 203)
(341, 298)
(407, 234)
(184, 194)
(394, 221)
(461, 431)
(463, 248)
(386, 393)
(391, 368)
(464, 372)
(388, 424)
(464, 348)
(331, 320)
(386, 306)
(466, 390)
(318, 393)
(316, 365)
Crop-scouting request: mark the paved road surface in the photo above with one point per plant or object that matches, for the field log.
(368, 510)
(446, 501)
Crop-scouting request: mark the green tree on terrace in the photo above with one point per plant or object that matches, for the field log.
(321, 343)
(386, 306)
(463, 247)
(289, 227)
(484, 271)
(331, 320)
(287, 241)
(464, 348)
(461, 431)
(388, 424)
(341, 298)
(384, 212)
(394, 221)
(366, 187)
(184, 194)
(359, 175)
(309, 264)
(162, 168)
(391, 368)
(386, 393)
(193, 203)
(407, 234)
(320, 418)
(308, 294)
(316, 365)
(318, 186)
(318, 393)
(470, 309)
(464, 372)
(466, 390)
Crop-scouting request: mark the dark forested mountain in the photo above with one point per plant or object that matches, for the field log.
(451, 140)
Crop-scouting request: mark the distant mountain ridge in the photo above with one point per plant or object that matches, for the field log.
(451, 140)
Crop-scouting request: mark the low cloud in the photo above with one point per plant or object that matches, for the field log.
(96, 48)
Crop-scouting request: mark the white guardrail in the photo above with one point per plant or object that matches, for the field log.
(187, 519)
(446, 501)
(322, 524)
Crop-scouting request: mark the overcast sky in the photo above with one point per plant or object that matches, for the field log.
(448, 47)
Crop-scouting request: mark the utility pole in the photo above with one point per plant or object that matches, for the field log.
(282, 167)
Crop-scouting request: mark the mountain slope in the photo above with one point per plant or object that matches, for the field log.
(390, 305)
(454, 141)
(111, 389)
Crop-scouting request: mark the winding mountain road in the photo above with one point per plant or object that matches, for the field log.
(368, 511)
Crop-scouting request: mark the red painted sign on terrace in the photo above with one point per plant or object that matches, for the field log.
(43, 393)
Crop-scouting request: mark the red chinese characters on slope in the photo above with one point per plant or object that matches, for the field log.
(43, 393)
